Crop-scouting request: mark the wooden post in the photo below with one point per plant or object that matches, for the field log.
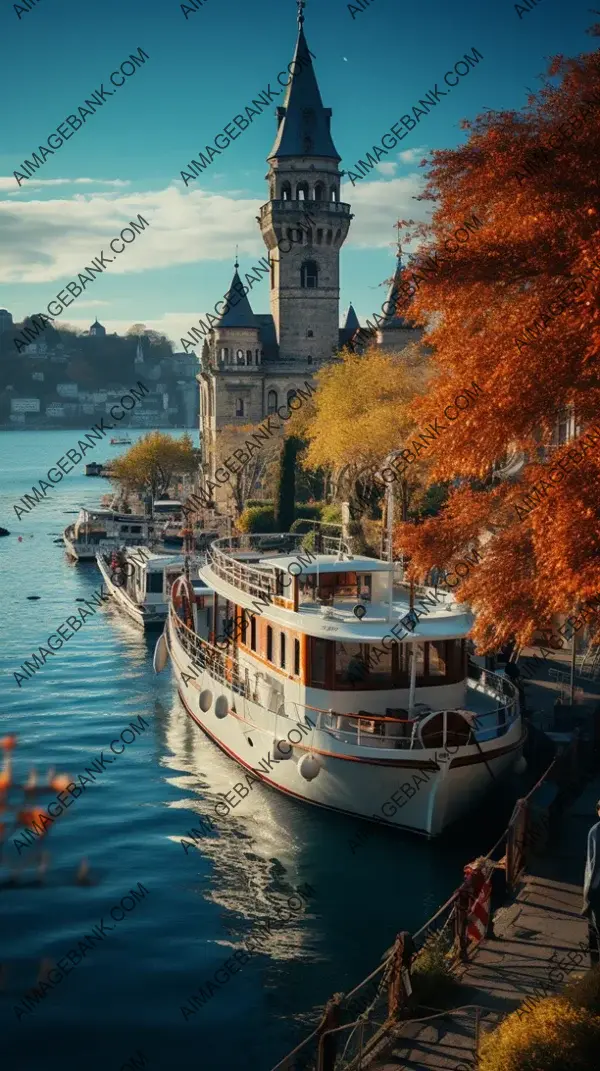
(400, 983)
(328, 1042)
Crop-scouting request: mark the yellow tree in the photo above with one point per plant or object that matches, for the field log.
(360, 414)
(153, 462)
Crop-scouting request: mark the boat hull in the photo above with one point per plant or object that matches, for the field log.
(146, 619)
(414, 790)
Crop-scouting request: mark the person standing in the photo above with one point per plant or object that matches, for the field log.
(591, 889)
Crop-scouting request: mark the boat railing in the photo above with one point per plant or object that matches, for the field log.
(258, 582)
(205, 656)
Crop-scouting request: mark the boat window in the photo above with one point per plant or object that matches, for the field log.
(244, 626)
(124, 527)
(319, 663)
(282, 650)
(350, 663)
(253, 633)
(437, 659)
(135, 528)
(154, 582)
(297, 658)
(269, 643)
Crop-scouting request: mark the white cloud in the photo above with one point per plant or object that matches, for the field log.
(378, 204)
(47, 241)
(408, 156)
(386, 168)
(8, 183)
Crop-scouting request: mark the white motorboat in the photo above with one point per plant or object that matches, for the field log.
(330, 681)
(140, 581)
(102, 529)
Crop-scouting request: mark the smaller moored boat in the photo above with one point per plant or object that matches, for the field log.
(140, 581)
(93, 468)
(122, 440)
(104, 528)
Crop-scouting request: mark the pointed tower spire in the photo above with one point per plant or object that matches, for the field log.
(237, 312)
(303, 122)
(393, 320)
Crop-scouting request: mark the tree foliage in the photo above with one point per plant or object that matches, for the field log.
(153, 462)
(359, 414)
(499, 321)
(286, 485)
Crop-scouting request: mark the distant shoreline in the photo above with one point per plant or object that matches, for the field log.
(79, 427)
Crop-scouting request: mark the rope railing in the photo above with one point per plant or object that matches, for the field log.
(319, 1051)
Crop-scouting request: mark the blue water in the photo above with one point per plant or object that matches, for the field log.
(127, 993)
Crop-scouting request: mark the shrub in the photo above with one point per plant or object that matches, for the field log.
(258, 502)
(432, 976)
(332, 514)
(257, 519)
(585, 992)
(553, 1036)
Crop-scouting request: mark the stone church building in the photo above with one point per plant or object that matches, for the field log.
(253, 362)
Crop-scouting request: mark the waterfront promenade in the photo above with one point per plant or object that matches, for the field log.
(542, 918)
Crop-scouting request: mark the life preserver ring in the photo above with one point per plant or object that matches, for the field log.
(182, 597)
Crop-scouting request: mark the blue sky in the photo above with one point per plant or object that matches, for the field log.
(201, 72)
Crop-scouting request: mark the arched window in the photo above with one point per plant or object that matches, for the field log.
(334, 194)
(248, 356)
(309, 359)
(319, 236)
(257, 353)
(286, 191)
(319, 191)
(239, 407)
(329, 237)
(272, 401)
(240, 356)
(291, 394)
(309, 275)
(290, 235)
(309, 235)
(309, 333)
(302, 191)
(338, 234)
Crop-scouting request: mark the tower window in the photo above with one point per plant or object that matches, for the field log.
(248, 356)
(329, 237)
(272, 401)
(302, 191)
(319, 191)
(291, 394)
(309, 359)
(309, 333)
(257, 353)
(309, 235)
(334, 194)
(309, 275)
(319, 236)
(240, 356)
(338, 234)
(286, 192)
(239, 407)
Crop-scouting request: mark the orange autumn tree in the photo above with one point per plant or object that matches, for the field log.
(515, 307)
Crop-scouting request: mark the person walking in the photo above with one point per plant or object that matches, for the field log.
(591, 890)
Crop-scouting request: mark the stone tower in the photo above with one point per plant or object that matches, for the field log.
(304, 167)
(253, 363)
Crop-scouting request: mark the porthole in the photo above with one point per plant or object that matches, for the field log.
(205, 700)
(221, 707)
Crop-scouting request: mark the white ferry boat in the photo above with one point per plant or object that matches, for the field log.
(102, 528)
(324, 701)
(140, 581)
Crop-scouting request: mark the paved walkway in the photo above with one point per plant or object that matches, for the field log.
(542, 919)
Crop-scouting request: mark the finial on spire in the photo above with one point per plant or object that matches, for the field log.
(301, 6)
(400, 250)
(236, 265)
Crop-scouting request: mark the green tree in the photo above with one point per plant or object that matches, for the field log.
(153, 462)
(285, 509)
